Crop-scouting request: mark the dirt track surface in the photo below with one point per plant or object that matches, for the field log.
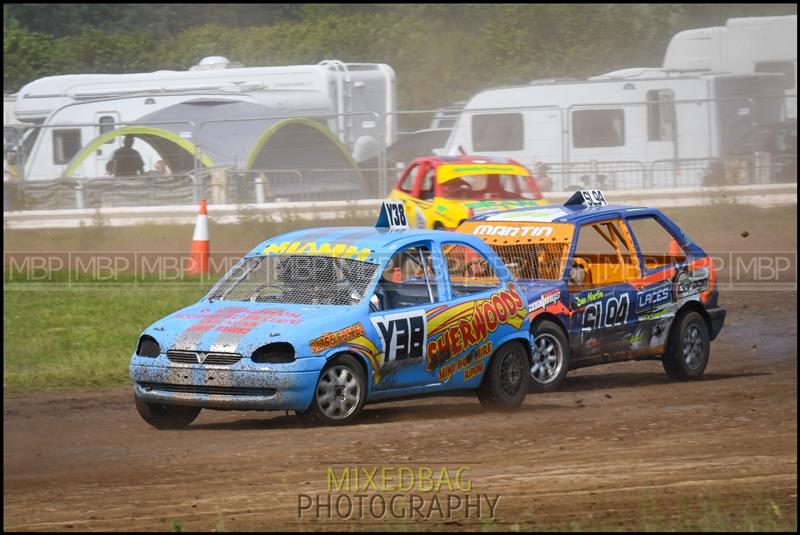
(619, 444)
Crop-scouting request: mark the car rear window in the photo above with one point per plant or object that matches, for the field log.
(530, 249)
(487, 187)
(534, 260)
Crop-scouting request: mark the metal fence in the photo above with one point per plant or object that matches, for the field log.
(756, 168)
(674, 153)
(216, 185)
(225, 186)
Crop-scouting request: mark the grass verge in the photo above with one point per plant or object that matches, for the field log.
(75, 338)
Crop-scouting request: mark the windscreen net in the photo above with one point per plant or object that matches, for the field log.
(534, 260)
(297, 279)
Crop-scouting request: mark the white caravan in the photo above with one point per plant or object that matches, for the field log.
(71, 110)
(12, 127)
(633, 115)
(743, 46)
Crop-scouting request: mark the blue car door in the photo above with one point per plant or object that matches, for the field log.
(603, 300)
(407, 292)
(663, 261)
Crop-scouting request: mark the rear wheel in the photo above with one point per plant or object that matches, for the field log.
(550, 359)
(341, 392)
(688, 347)
(505, 384)
(166, 416)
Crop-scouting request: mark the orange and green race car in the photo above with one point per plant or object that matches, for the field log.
(439, 192)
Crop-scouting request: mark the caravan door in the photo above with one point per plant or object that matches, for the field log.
(106, 122)
(742, 103)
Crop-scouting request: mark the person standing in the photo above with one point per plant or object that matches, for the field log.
(125, 161)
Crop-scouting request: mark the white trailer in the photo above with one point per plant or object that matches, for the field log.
(743, 46)
(66, 112)
(642, 115)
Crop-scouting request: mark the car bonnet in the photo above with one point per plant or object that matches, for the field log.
(242, 327)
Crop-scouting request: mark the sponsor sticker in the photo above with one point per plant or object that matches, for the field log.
(654, 296)
(338, 250)
(335, 338)
(589, 297)
(512, 231)
(467, 361)
(469, 324)
(547, 298)
(687, 284)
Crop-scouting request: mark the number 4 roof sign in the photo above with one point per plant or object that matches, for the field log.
(587, 197)
(392, 216)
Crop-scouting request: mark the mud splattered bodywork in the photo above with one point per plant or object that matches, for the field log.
(613, 277)
(262, 336)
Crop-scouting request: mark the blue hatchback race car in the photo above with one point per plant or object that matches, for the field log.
(321, 321)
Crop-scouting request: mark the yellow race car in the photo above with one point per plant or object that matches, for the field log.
(439, 192)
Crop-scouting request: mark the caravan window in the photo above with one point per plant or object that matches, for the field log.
(598, 128)
(66, 144)
(106, 125)
(501, 131)
(660, 115)
(785, 68)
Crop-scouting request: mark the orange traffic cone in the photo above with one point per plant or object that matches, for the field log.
(198, 263)
(675, 249)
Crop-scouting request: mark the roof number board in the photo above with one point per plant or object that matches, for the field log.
(393, 216)
(587, 197)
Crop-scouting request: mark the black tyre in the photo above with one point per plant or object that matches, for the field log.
(505, 383)
(437, 225)
(688, 347)
(166, 416)
(550, 358)
(340, 393)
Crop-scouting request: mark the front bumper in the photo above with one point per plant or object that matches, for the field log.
(716, 317)
(253, 387)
